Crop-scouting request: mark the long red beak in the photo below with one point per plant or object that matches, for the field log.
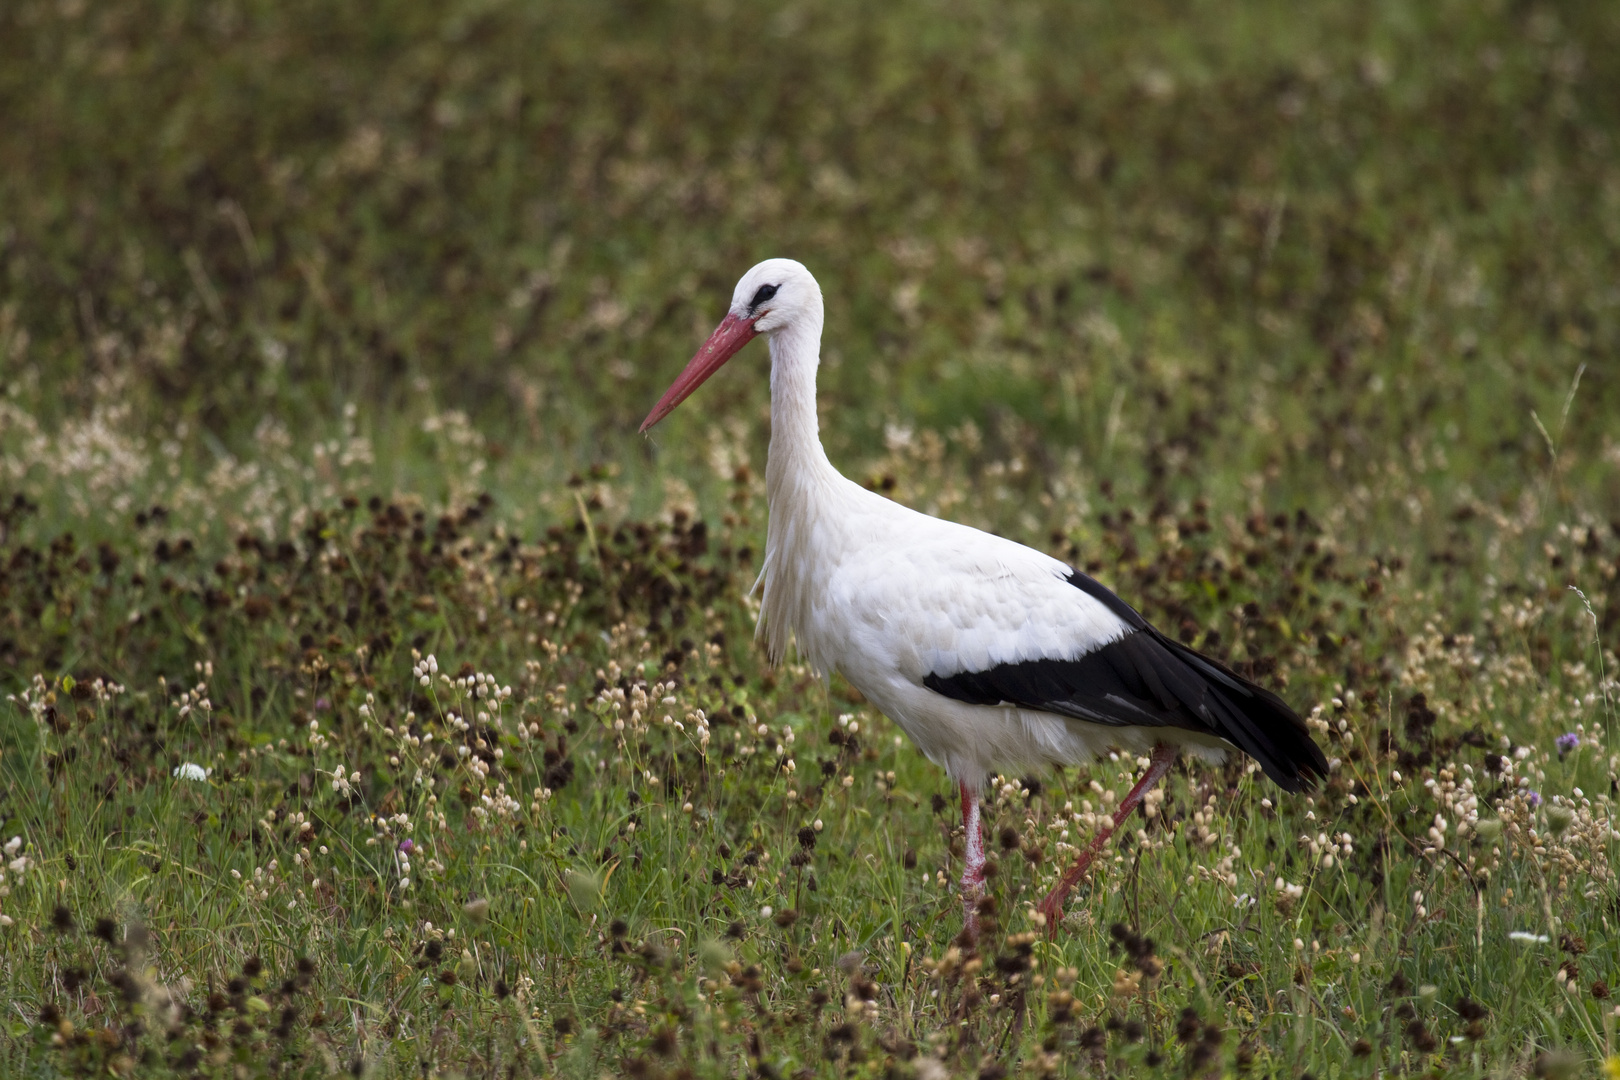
(732, 334)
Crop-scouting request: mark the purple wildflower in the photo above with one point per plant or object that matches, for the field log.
(321, 704)
(1533, 798)
(407, 846)
(1567, 742)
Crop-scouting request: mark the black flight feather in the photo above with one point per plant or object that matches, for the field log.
(1145, 679)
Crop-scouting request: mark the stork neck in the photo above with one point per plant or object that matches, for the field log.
(795, 432)
(801, 488)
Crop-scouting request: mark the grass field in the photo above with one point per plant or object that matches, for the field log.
(379, 702)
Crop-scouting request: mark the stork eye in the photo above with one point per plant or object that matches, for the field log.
(765, 293)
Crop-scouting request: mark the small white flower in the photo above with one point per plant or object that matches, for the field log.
(191, 771)
(1524, 935)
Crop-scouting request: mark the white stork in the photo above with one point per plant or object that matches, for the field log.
(989, 654)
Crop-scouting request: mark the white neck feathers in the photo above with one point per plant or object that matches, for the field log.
(801, 488)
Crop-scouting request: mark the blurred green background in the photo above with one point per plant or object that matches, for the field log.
(1192, 242)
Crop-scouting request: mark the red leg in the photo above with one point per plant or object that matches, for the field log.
(973, 861)
(1052, 907)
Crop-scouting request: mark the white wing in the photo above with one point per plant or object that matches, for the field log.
(966, 601)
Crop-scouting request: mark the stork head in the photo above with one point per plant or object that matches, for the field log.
(773, 296)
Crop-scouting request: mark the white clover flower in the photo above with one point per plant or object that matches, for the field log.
(190, 770)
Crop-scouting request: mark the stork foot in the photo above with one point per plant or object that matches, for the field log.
(970, 917)
(1052, 905)
(1051, 908)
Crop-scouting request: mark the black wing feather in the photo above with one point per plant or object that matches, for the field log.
(1145, 679)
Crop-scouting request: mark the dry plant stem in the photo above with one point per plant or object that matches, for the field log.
(1555, 444)
(1052, 906)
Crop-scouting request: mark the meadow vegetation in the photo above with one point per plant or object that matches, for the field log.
(376, 700)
